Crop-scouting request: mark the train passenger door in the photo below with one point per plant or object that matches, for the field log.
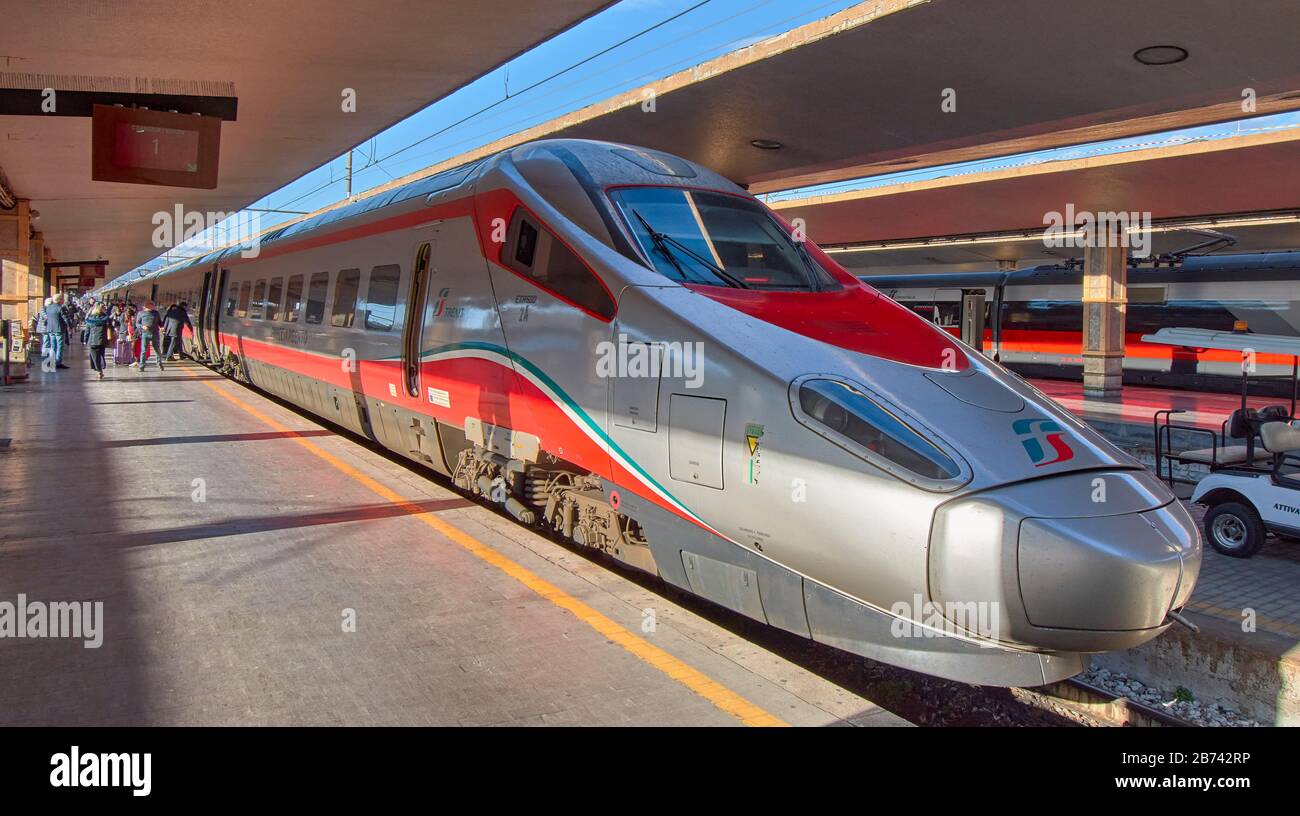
(465, 376)
(218, 307)
(413, 331)
(974, 318)
(205, 305)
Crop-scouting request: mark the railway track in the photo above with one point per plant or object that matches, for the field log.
(1094, 705)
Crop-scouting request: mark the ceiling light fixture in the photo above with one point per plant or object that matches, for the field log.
(1160, 55)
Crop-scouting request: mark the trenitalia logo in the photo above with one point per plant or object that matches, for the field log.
(1037, 435)
(442, 302)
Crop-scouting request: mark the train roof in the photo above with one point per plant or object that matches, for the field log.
(420, 187)
(595, 164)
(1259, 266)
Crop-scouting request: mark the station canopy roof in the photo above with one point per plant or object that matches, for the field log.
(1235, 175)
(861, 92)
(287, 62)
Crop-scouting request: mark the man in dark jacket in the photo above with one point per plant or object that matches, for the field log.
(149, 323)
(174, 323)
(56, 329)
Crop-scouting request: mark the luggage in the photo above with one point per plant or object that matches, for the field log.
(123, 352)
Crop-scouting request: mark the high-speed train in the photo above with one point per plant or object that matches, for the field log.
(628, 350)
(1032, 319)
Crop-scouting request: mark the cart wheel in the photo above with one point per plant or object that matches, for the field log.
(1234, 529)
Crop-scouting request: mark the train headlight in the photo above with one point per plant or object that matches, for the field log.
(866, 425)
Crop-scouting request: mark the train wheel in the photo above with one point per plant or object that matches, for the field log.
(1234, 529)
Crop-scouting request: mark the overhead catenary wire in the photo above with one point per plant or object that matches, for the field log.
(602, 93)
(555, 75)
(468, 117)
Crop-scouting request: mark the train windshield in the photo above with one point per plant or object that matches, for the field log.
(714, 239)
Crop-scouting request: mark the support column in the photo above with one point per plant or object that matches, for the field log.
(36, 274)
(15, 275)
(1105, 297)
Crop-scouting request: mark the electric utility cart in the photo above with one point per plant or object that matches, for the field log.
(1252, 487)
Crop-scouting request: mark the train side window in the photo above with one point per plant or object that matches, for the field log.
(381, 298)
(345, 298)
(292, 300)
(1146, 294)
(274, 299)
(244, 289)
(526, 246)
(317, 290)
(927, 310)
(948, 315)
(258, 303)
(535, 253)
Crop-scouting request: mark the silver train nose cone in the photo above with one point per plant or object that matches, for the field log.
(1084, 562)
(1120, 572)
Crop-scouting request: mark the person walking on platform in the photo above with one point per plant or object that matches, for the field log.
(71, 317)
(133, 334)
(149, 323)
(124, 341)
(56, 329)
(174, 324)
(99, 333)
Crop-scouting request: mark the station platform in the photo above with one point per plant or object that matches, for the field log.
(231, 540)
(1135, 406)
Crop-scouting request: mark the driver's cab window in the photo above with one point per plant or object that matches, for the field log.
(536, 254)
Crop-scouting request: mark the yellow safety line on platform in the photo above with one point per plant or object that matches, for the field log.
(719, 695)
(1261, 621)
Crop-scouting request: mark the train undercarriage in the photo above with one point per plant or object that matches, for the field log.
(566, 502)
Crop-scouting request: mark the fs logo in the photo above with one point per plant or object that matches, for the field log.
(1037, 435)
(442, 302)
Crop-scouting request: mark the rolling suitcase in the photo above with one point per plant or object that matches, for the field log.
(123, 352)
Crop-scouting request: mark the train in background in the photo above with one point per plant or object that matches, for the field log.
(839, 467)
(1031, 320)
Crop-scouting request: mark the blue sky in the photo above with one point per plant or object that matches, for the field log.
(628, 45)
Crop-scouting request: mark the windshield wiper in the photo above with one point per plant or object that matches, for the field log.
(662, 242)
(815, 283)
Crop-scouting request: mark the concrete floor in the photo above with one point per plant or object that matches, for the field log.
(227, 537)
